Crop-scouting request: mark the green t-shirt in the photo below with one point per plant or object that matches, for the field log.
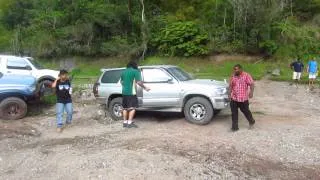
(129, 77)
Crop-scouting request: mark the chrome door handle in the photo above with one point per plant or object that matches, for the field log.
(9, 72)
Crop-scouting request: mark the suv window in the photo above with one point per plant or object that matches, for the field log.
(111, 76)
(17, 63)
(154, 75)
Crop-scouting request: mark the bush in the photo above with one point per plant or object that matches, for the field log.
(268, 47)
(181, 39)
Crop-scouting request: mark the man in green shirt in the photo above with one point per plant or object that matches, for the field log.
(130, 77)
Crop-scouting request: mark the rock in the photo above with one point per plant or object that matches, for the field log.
(100, 115)
(276, 72)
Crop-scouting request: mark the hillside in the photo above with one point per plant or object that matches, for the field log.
(55, 28)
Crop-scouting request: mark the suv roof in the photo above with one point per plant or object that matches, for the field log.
(153, 66)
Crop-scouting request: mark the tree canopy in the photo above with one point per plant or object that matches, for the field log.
(51, 28)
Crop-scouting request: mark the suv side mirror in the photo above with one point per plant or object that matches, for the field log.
(28, 67)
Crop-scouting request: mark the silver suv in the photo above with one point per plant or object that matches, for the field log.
(172, 90)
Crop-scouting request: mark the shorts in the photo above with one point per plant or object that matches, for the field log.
(296, 75)
(312, 75)
(129, 102)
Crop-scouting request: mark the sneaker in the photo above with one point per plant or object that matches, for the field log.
(59, 130)
(132, 125)
(125, 125)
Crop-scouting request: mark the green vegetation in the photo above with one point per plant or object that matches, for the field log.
(49, 100)
(203, 68)
(181, 39)
(105, 33)
(57, 28)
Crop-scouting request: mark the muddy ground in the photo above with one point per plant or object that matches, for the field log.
(285, 143)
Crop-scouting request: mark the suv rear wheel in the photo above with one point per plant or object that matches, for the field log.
(115, 109)
(13, 108)
(45, 87)
(198, 110)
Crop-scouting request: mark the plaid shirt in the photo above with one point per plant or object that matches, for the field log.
(239, 86)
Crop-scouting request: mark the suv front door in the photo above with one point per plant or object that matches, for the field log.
(165, 90)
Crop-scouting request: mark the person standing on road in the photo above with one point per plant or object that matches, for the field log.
(241, 89)
(312, 70)
(130, 77)
(63, 90)
(297, 67)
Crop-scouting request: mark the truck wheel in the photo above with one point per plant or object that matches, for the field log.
(115, 109)
(45, 87)
(13, 108)
(198, 110)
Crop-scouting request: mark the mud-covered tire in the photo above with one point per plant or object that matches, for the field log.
(45, 88)
(198, 110)
(13, 108)
(115, 109)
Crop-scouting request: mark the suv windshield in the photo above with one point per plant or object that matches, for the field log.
(179, 74)
(36, 64)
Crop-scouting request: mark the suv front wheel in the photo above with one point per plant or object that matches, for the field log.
(115, 109)
(13, 108)
(198, 110)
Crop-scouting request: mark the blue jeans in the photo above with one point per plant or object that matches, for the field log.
(60, 110)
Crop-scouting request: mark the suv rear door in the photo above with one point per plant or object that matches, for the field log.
(165, 90)
(109, 83)
(17, 65)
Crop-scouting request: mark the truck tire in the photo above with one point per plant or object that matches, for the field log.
(198, 110)
(45, 87)
(13, 108)
(115, 109)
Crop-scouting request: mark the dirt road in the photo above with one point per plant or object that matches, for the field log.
(285, 144)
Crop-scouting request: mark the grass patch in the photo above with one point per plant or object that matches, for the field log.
(207, 69)
(88, 69)
(286, 73)
(49, 100)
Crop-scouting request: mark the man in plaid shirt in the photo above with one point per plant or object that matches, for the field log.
(241, 89)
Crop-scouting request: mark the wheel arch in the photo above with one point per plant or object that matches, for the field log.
(190, 96)
(5, 96)
(46, 78)
(111, 97)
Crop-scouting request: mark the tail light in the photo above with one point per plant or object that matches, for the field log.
(96, 89)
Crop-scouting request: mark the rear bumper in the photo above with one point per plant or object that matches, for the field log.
(101, 100)
(221, 102)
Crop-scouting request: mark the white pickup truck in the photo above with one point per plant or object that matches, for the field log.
(28, 66)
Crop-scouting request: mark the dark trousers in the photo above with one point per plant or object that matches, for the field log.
(244, 107)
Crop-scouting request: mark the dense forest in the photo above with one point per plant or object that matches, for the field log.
(55, 28)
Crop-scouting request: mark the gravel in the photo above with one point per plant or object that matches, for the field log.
(284, 144)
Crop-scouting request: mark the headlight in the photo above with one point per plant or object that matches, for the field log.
(221, 91)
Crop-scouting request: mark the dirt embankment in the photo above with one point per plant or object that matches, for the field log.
(284, 144)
